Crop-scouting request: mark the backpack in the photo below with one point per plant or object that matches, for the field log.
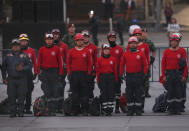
(40, 107)
(160, 103)
(95, 107)
(67, 107)
(123, 103)
(4, 107)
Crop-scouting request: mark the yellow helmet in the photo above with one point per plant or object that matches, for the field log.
(23, 37)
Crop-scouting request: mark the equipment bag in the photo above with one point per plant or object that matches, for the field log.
(40, 107)
(160, 103)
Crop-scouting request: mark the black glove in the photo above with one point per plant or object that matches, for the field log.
(152, 59)
(40, 76)
(121, 79)
(69, 77)
(34, 76)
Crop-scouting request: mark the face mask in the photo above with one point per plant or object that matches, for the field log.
(133, 49)
(24, 47)
(112, 43)
(106, 56)
(49, 46)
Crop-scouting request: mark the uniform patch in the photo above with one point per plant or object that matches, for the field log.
(117, 51)
(142, 49)
(53, 53)
(84, 55)
(29, 55)
(138, 57)
(90, 50)
(178, 56)
(111, 62)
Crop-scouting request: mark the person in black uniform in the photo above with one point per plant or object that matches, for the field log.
(16, 64)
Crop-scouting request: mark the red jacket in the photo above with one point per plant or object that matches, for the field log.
(94, 52)
(32, 54)
(79, 60)
(64, 51)
(50, 58)
(171, 59)
(106, 65)
(134, 62)
(144, 48)
(116, 52)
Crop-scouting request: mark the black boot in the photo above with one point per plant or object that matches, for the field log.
(117, 106)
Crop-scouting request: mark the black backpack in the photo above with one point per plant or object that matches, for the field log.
(4, 107)
(40, 107)
(160, 103)
(67, 107)
(95, 107)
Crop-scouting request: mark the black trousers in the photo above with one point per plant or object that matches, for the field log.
(134, 91)
(91, 86)
(80, 90)
(30, 87)
(118, 86)
(50, 86)
(174, 88)
(94, 37)
(61, 90)
(107, 86)
(120, 33)
(16, 90)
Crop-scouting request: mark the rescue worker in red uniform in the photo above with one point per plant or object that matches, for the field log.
(24, 43)
(137, 32)
(171, 74)
(136, 66)
(117, 52)
(94, 52)
(107, 77)
(79, 66)
(50, 67)
(64, 51)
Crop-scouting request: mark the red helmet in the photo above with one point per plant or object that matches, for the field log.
(133, 39)
(111, 33)
(175, 36)
(78, 36)
(137, 31)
